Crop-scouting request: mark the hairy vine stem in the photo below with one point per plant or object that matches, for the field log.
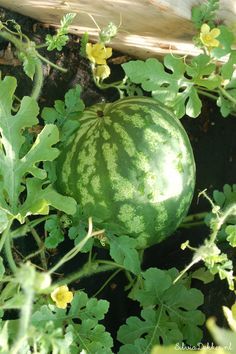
(25, 47)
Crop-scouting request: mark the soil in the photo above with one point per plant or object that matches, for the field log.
(214, 145)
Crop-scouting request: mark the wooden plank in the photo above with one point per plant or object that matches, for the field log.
(148, 28)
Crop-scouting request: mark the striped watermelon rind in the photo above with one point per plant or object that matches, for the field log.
(130, 166)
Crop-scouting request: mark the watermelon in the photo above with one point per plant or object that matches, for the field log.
(130, 166)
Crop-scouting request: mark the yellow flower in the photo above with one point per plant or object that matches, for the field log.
(208, 36)
(62, 296)
(102, 71)
(98, 53)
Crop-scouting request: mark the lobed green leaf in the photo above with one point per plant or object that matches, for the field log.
(55, 235)
(169, 312)
(123, 251)
(15, 166)
(231, 234)
(81, 321)
(65, 114)
(168, 83)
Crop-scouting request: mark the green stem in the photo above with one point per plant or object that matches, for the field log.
(221, 220)
(32, 255)
(129, 277)
(24, 321)
(207, 94)
(107, 282)
(195, 217)
(114, 264)
(90, 256)
(75, 250)
(194, 261)
(130, 280)
(71, 254)
(39, 46)
(40, 245)
(189, 225)
(9, 256)
(227, 95)
(193, 220)
(6, 233)
(51, 64)
(19, 34)
(10, 37)
(117, 85)
(85, 272)
(23, 230)
(38, 80)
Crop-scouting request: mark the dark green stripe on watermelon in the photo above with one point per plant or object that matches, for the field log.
(130, 165)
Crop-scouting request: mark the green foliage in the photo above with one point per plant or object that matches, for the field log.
(203, 274)
(169, 314)
(28, 51)
(51, 329)
(55, 233)
(168, 83)
(77, 233)
(80, 323)
(205, 13)
(2, 268)
(179, 83)
(3, 220)
(221, 221)
(225, 338)
(231, 235)
(226, 39)
(216, 261)
(78, 229)
(108, 33)
(59, 40)
(65, 114)
(223, 199)
(123, 250)
(30, 61)
(50, 339)
(15, 170)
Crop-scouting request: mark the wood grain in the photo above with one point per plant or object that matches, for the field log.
(148, 27)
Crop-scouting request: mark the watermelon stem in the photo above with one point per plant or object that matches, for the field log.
(25, 229)
(193, 220)
(87, 271)
(6, 243)
(207, 94)
(227, 95)
(107, 282)
(25, 47)
(75, 250)
(189, 225)
(194, 217)
(8, 250)
(114, 264)
(194, 261)
(40, 245)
